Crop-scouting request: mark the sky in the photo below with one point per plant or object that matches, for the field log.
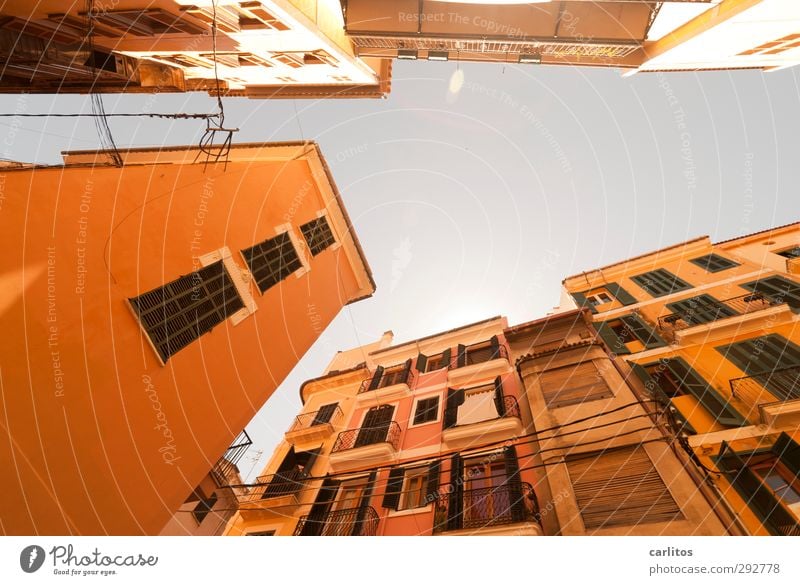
(476, 188)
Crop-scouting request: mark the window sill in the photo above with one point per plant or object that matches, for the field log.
(422, 510)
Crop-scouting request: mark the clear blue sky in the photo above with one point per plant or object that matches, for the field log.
(478, 203)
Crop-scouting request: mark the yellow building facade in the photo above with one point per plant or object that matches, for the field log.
(711, 330)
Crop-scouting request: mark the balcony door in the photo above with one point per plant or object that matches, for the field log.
(344, 511)
(375, 427)
(487, 498)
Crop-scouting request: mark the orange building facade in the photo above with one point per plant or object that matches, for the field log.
(712, 332)
(149, 311)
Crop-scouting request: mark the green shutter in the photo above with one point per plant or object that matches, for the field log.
(394, 487)
(315, 521)
(692, 383)
(777, 289)
(582, 301)
(461, 360)
(643, 331)
(446, 358)
(422, 363)
(455, 506)
(514, 483)
(495, 345)
(621, 294)
(788, 451)
(358, 527)
(376, 378)
(614, 343)
(776, 519)
(324, 414)
(455, 398)
(433, 482)
(407, 371)
(499, 403)
(652, 387)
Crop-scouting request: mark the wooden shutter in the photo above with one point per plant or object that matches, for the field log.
(514, 483)
(692, 383)
(455, 398)
(407, 370)
(701, 309)
(777, 289)
(495, 345)
(498, 397)
(621, 294)
(573, 385)
(446, 358)
(394, 487)
(757, 496)
(455, 507)
(620, 488)
(359, 526)
(461, 360)
(422, 363)
(375, 427)
(788, 451)
(643, 331)
(433, 482)
(376, 378)
(582, 301)
(611, 339)
(315, 521)
(324, 414)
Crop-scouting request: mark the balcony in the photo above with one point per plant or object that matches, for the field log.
(271, 492)
(348, 522)
(365, 447)
(731, 311)
(312, 427)
(511, 508)
(478, 361)
(394, 383)
(225, 470)
(771, 398)
(483, 423)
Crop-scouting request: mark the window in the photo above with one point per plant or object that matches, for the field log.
(255, 16)
(772, 360)
(767, 481)
(184, 61)
(146, 23)
(261, 533)
(318, 235)
(204, 507)
(226, 59)
(375, 427)
(176, 314)
(412, 488)
(392, 376)
(599, 298)
(290, 60)
(793, 252)
(324, 414)
(713, 263)
(618, 333)
(777, 289)
(226, 18)
(432, 363)
(573, 384)
(251, 60)
(291, 474)
(427, 410)
(775, 47)
(479, 352)
(658, 283)
(272, 260)
(700, 309)
(620, 488)
(608, 293)
(669, 384)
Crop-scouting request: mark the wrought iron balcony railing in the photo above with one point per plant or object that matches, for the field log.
(775, 386)
(742, 305)
(391, 376)
(354, 438)
(349, 522)
(283, 483)
(509, 503)
(319, 417)
(478, 353)
(510, 408)
(225, 470)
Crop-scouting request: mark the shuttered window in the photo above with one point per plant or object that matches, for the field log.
(427, 410)
(658, 283)
(793, 252)
(597, 296)
(713, 263)
(701, 309)
(146, 23)
(324, 414)
(318, 235)
(179, 312)
(573, 385)
(620, 488)
(778, 290)
(772, 360)
(272, 260)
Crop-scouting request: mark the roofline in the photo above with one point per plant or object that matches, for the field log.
(236, 145)
(758, 233)
(434, 335)
(633, 258)
(543, 320)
